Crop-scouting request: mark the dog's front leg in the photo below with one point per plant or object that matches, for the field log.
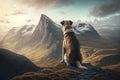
(63, 52)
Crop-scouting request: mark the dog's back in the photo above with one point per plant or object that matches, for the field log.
(71, 47)
(71, 44)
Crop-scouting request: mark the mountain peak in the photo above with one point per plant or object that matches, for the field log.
(44, 17)
(86, 30)
(46, 31)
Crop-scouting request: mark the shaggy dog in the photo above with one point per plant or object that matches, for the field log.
(71, 48)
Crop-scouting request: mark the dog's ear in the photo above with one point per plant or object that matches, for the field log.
(71, 22)
(62, 22)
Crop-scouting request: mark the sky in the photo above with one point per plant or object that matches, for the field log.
(15, 13)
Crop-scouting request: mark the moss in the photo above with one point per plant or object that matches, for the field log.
(114, 74)
(47, 71)
(56, 73)
(98, 77)
(66, 73)
(48, 74)
(60, 66)
(32, 76)
(113, 70)
(55, 76)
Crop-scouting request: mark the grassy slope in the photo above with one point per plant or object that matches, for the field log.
(114, 70)
(61, 72)
(104, 57)
(51, 73)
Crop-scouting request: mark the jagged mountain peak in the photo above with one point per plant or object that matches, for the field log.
(43, 16)
(45, 23)
(86, 30)
(46, 31)
(27, 29)
(85, 27)
(45, 19)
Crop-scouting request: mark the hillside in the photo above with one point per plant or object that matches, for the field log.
(12, 64)
(18, 67)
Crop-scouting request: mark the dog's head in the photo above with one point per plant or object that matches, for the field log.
(66, 24)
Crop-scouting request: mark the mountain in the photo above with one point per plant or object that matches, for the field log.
(112, 34)
(46, 32)
(18, 36)
(3, 31)
(48, 35)
(109, 27)
(86, 30)
(42, 43)
(12, 64)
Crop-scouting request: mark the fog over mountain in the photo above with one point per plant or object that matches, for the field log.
(108, 27)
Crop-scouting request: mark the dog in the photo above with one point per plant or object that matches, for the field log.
(71, 47)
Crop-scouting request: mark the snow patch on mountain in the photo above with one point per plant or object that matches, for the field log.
(16, 29)
(86, 30)
(28, 30)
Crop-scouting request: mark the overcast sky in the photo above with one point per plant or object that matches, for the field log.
(15, 13)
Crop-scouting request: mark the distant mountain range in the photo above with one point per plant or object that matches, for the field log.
(86, 30)
(42, 43)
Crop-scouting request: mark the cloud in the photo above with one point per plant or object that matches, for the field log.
(107, 9)
(29, 20)
(17, 12)
(62, 12)
(47, 3)
(4, 21)
(14, 13)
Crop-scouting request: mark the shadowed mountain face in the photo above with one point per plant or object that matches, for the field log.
(46, 32)
(48, 35)
(12, 64)
(42, 43)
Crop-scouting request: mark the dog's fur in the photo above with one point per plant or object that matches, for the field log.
(71, 48)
